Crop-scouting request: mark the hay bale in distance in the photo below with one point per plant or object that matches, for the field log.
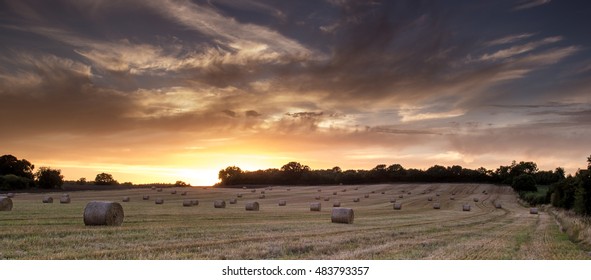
(397, 206)
(315, 206)
(244, 187)
(476, 199)
(5, 204)
(373, 191)
(253, 191)
(466, 207)
(146, 197)
(392, 200)
(126, 199)
(252, 206)
(159, 189)
(429, 198)
(319, 190)
(356, 188)
(65, 200)
(342, 215)
(103, 213)
(366, 196)
(401, 196)
(153, 188)
(239, 195)
(261, 196)
(498, 205)
(437, 194)
(262, 192)
(336, 204)
(159, 201)
(326, 198)
(317, 197)
(184, 193)
(334, 193)
(10, 195)
(48, 199)
(195, 201)
(173, 192)
(452, 198)
(383, 192)
(436, 205)
(344, 190)
(219, 204)
(233, 201)
(187, 203)
(282, 203)
(356, 199)
(533, 210)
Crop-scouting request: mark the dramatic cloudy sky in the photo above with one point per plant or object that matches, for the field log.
(176, 90)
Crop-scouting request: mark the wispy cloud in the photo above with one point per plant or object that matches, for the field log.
(528, 4)
(520, 49)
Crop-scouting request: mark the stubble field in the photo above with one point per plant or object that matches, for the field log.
(34, 230)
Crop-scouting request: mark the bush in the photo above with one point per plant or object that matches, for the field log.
(13, 182)
(524, 183)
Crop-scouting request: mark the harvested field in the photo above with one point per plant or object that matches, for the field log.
(33, 230)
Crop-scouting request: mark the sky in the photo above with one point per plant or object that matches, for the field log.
(159, 91)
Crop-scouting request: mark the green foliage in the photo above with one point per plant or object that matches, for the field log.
(48, 178)
(104, 179)
(524, 183)
(13, 182)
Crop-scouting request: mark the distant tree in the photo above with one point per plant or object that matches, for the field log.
(181, 184)
(81, 181)
(104, 179)
(589, 163)
(524, 182)
(230, 176)
(9, 164)
(47, 178)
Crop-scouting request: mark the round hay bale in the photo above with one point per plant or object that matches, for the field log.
(429, 199)
(159, 189)
(533, 210)
(48, 199)
(282, 203)
(498, 205)
(401, 196)
(452, 198)
(475, 199)
(126, 199)
(65, 200)
(233, 201)
(315, 206)
(219, 204)
(66, 195)
(423, 192)
(317, 197)
(103, 213)
(159, 201)
(436, 205)
(336, 204)
(146, 197)
(342, 215)
(184, 193)
(383, 192)
(397, 206)
(319, 190)
(409, 193)
(243, 187)
(344, 190)
(10, 195)
(288, 189)
(262, 192)
(173, 192)
(239, 195)
(334, 193)
(252, 206)
(437, 194)
(373, 191)
(366, 196)
(356, 199)
(466, 207)
(153, 188)
(261, 196)
(356, 188)
(5, 204)
(187, 203)
(327, 199)
(392, 200)
(195, 201)
(253, 191)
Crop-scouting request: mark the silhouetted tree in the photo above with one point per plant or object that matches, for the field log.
(48, 178)
(104, 179)
(9, 164)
